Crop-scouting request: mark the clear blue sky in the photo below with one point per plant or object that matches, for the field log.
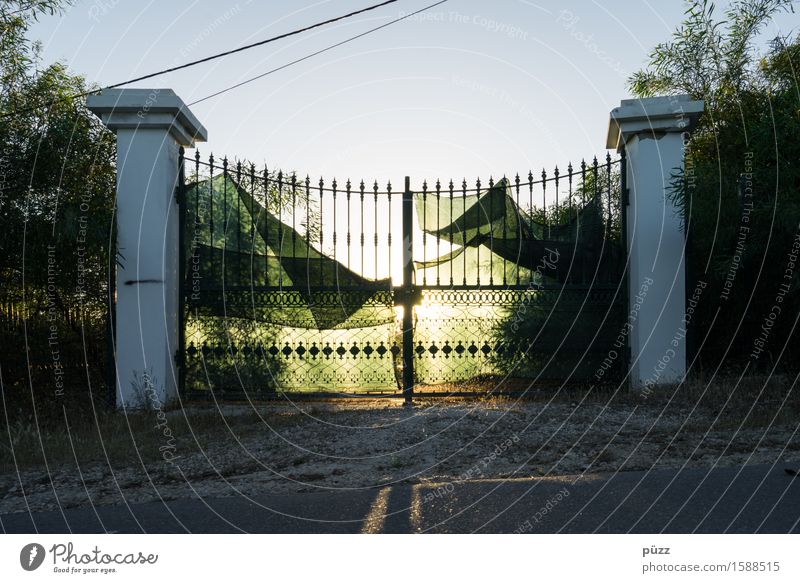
(471, 88)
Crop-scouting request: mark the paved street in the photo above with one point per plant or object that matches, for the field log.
(737, 500)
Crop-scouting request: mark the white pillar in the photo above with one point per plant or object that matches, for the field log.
(653, 132)
(150, 125)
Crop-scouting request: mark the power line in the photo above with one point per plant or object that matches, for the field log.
(315, 53)
(206, 59)
(256, 44)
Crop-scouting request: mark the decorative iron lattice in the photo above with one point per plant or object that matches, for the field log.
(566, 335)
(255, 358)
(300, 286)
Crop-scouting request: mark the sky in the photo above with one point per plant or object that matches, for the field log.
(467, 89)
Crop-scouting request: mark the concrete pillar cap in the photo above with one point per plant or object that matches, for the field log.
(677, 113)
(148, 108)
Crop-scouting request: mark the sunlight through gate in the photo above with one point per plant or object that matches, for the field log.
(294, 285)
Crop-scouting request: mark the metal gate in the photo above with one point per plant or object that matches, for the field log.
(294, 285)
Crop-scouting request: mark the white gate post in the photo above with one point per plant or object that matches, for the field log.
(653, 133)
(150, 124)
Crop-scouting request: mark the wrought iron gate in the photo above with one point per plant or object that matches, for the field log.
(294, 285)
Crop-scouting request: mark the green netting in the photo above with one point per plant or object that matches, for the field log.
(251, 252)
(499, 241)
(243, 260)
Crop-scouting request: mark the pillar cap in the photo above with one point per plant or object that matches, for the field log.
(148, 108)
(676, 113)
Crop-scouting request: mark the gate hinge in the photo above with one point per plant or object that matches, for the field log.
(627, 195)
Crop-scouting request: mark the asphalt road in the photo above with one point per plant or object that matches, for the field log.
(750, 499)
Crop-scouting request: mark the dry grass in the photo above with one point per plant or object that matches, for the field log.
(93, 434)
(120, 438)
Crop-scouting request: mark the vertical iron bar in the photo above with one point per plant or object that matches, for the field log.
(348, 187)
(452, 241)
(583, 182)
(363, 267)
(544, 203)
(375, 229)
(491, 231)
(279, 198)
(308, 229)
(211, 202)
(321, 229)
(438, 226)
(389, 229)
(334, 186)
(225, 282)
(408, 301)
(519, 227)
(424, 229)
(224, 203)
(608, 192)
(180, 191)
(294, 215)
(569, 178)
(267, 246)
(505, 231)
(597, 195)
(558, 206)
(530, 194)
(583, 205)
(238, 224)
(464, 231)
(478, 246)
(252, 228)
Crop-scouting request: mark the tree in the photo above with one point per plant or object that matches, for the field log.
(740, 193)
(57, 185)
(58, 173)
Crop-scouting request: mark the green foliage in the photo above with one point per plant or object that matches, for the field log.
(58, 175)
(741, 189)
(706, 57)
(57, 185)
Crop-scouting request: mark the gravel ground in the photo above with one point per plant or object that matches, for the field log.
(350, 444)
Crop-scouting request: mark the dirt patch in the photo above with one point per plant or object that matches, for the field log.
(307, 446)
